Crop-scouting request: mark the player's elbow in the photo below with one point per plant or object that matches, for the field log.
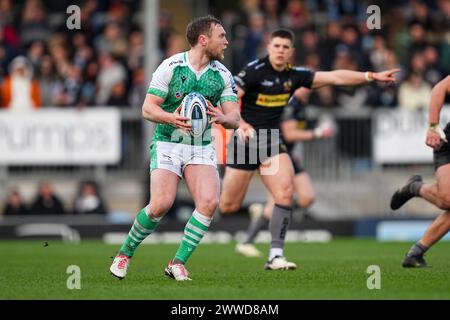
(146, 112)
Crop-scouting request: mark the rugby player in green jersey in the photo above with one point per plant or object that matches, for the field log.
(173, 156)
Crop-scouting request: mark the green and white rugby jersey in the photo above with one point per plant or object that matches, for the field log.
(175, 78)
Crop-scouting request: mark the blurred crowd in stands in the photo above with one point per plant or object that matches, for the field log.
(102, 64)
(333, 34)
(88, 200)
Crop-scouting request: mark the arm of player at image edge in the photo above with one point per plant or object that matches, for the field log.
(352, 78)
(152, 111)
(435, 135)
(293, 134)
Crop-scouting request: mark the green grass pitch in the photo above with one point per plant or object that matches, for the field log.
(335, 270)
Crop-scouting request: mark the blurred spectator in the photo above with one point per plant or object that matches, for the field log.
(118, 96)
(112, 41)
(136, 51)
(433, 71)
(89, 200)
(7, 53)
(417, 63)
(34, 26)
(414, 93)
(350, 41)
(89, 86)
(254, 45)
(7, 23)
(48, 81)
(417, 35)
(421, 14)
(379, 54)
(383, 59)
(68, 93)
(19, 91)
(35, 53)
(47, 202)
(345, 11)
(329, 43)
(111, 72)
(309, 45)
(272, 11)
(83, 52)
(14, 205)
(175, 44)
(138, 89)
(295, 16)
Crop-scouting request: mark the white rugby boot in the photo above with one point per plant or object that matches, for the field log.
(280, 263)
(120, 265)
(248, 250)
(177, 271)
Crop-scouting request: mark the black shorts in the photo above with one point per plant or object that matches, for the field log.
(250, 155)
(297, 164)
(442, 156)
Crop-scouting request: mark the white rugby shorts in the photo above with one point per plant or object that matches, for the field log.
(177, 156)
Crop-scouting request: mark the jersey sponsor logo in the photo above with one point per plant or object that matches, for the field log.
(252, 62)
(222, 69)
(166, 159)
(272, 100)
(267, 83)
(301, 124)
(178, 95)
(300, 69)
(259, 66)
(175, 62)
(287, 85)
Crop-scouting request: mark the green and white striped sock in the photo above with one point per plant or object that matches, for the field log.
(143, 226)
(195, 229)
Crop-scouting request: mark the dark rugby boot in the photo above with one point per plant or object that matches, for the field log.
(414, 262)
(405, 193)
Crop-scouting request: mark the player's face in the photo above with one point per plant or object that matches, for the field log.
(216, 43)
(280, 51)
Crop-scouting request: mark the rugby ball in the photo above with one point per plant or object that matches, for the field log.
(194, 107)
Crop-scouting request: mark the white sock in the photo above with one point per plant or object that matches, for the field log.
(275, 252)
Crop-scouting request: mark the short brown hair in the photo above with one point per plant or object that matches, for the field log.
(200, 26)
(283, 33)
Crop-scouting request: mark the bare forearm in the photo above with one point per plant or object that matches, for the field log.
(231, 120)
(299, 135)
(348, 78)
(338, 78)
(156, 114)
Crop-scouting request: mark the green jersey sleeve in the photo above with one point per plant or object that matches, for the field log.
(159, 85)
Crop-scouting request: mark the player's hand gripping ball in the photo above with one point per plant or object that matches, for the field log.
(194, 107)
